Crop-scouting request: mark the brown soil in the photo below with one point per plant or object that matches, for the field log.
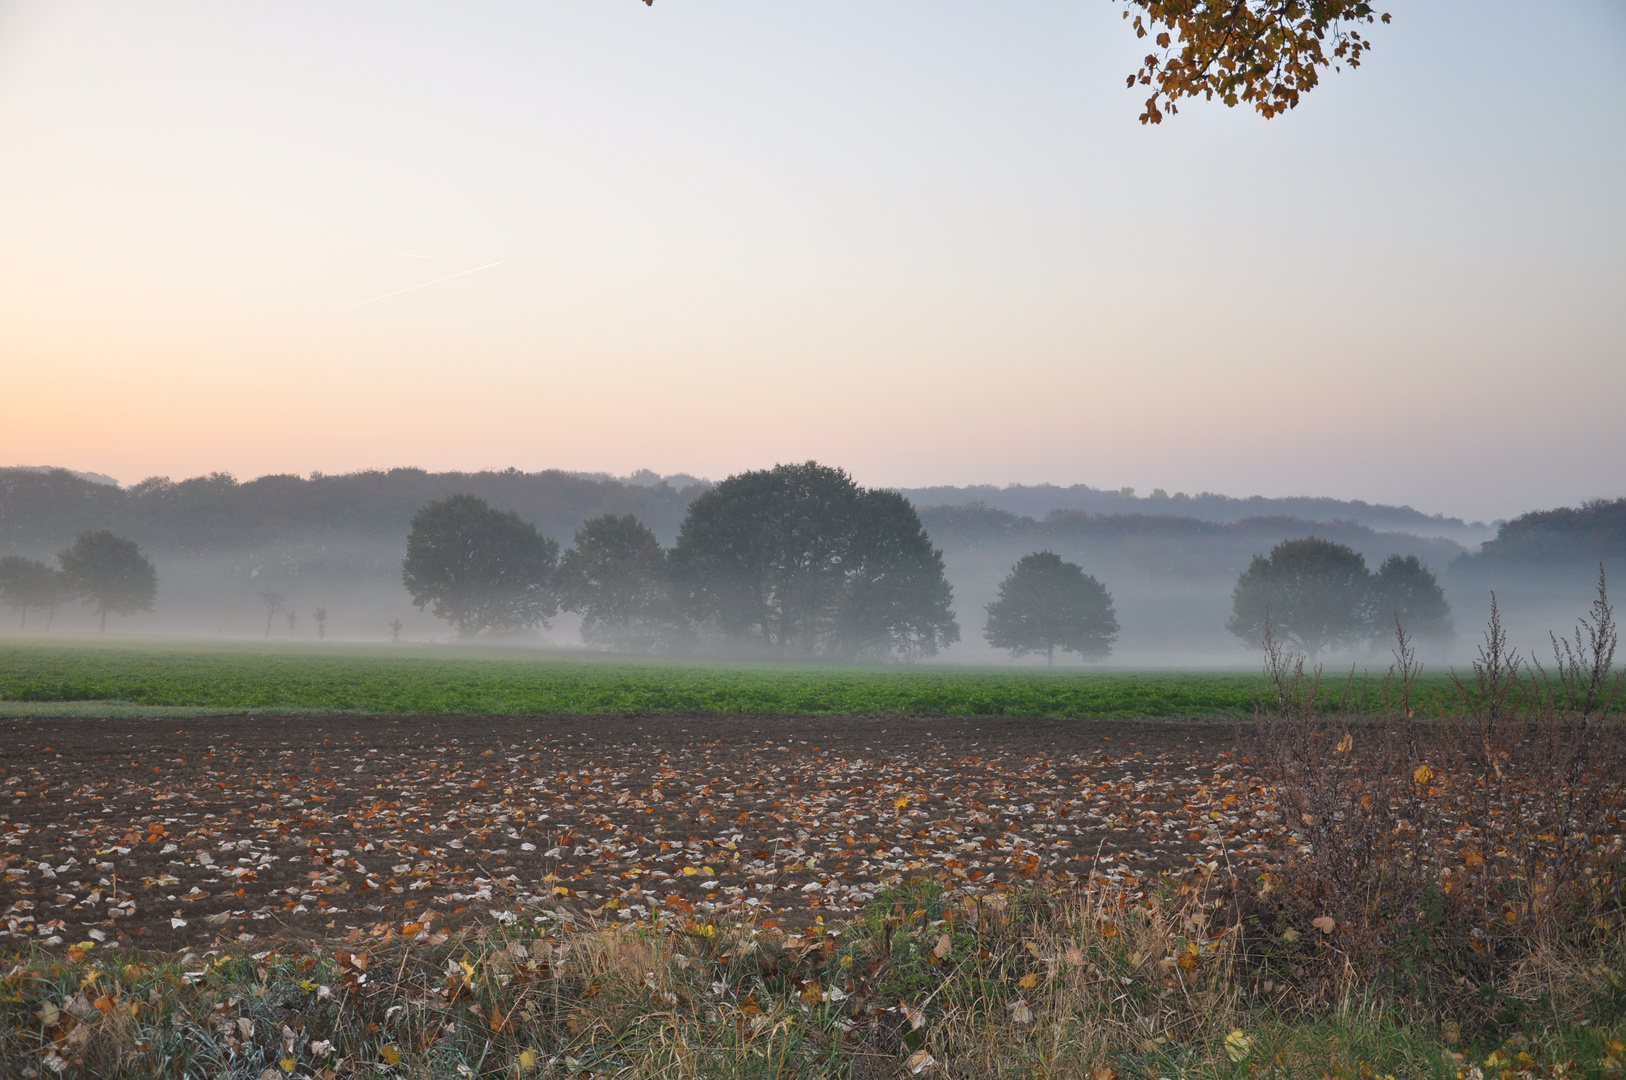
(182, 833)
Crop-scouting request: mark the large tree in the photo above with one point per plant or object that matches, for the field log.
(800, 559)
(1313, 592)
(1407, 592)
(480, 568)
(1045, 604)
(109, 573)
(30, 585)
(615, 578)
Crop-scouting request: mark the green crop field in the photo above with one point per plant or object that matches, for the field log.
(55, 677)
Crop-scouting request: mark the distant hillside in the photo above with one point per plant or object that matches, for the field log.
(1591, 533)
(41, 510)
(1037, 501)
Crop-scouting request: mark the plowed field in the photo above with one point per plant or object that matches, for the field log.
(176, 833)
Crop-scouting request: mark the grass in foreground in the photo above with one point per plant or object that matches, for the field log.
(1059, 985)
(418, 679)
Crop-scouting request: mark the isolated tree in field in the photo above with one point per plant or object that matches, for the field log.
(273, 601)
(1313, 592)
(614, 577)
(110, 573)
(30, 585)
(480, 568)
(1405, 591)
(1045, 604)
(795, 559)
(320, 615)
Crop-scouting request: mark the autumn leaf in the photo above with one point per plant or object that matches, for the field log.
(1423, 774)
(1326, 924)
(1237, 1045)
(1028, 981)
(1346, 744)
(919, 1061)
(391, 1054)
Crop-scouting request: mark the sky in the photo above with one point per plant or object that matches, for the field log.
(929, 242)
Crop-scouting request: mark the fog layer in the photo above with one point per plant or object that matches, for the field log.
(257, 559)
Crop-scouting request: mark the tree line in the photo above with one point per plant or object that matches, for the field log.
(800, 560)
(795, 560)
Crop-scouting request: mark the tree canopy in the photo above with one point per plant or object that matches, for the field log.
(110, 573)
(480, 568)
(1045, 604)
(615, 578)
(1313, 592)
(1405, 591)
(801, 559)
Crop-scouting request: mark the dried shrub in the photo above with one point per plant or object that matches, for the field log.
(1440, 863)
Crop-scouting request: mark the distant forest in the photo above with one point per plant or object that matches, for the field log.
(1038, 500)
(1169, 562)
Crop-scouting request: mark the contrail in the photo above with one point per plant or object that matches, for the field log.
(421, 285)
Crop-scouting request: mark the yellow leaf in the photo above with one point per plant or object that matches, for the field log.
(527, 1060)
(1028, 981)
(689, 871)
(901, 803)
(1345, 744)
(391, 1054)
(287, 1064)
(1423, 774)
(1237, 1045)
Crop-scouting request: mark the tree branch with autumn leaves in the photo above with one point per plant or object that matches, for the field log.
(1261, 53)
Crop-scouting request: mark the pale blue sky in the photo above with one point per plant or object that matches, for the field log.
(927, 241)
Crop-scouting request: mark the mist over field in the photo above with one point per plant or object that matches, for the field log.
(1170, 563)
